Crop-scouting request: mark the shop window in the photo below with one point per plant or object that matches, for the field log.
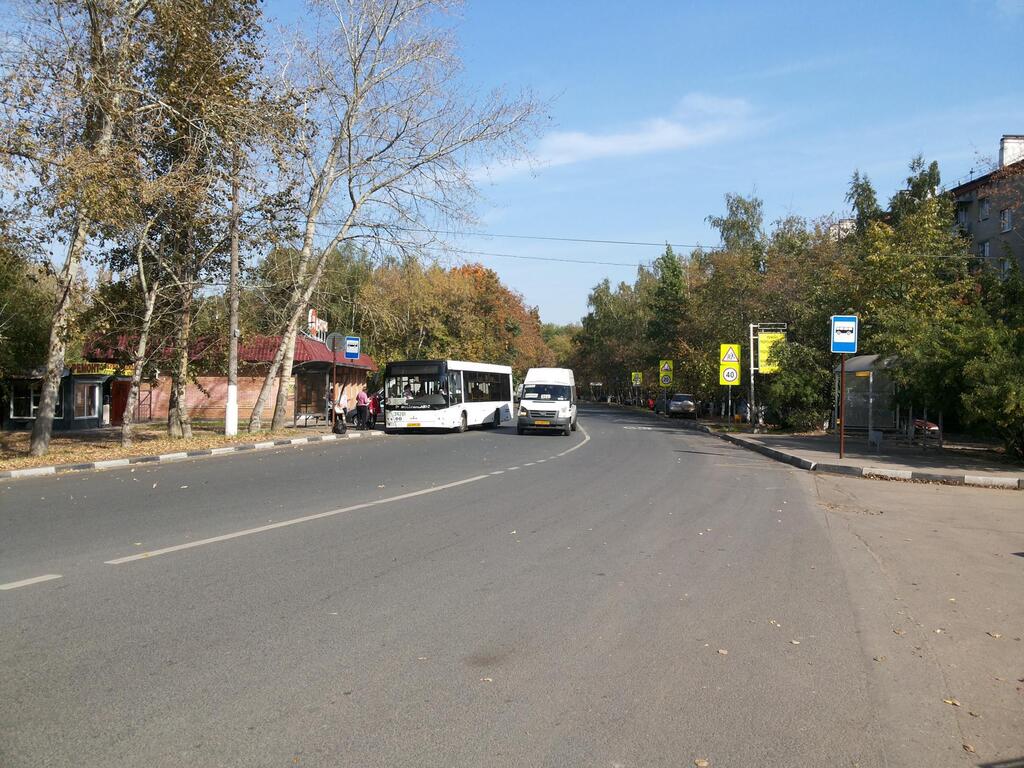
(25, 400)
(87, 400)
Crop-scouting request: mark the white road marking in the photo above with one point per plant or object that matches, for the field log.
(499, 472)
(528, 464)
(541, 461)
(293, 521)
(27, 582)
(298, 520)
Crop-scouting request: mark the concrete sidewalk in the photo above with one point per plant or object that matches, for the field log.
(820, 453)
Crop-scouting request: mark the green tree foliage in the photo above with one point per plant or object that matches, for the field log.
(28, 293)
(799, 395)
(954, 329)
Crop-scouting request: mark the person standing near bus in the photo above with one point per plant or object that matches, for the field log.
(362, 409)
(374, 409)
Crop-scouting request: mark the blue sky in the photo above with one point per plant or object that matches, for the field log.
(658, 109)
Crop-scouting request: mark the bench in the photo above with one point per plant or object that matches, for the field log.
(304, 417)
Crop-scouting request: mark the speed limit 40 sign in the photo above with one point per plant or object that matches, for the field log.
(729, 364)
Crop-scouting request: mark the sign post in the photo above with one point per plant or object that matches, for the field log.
(764, 336)
(844, 341)
(728, 371)
(665, 373)
(334, 342)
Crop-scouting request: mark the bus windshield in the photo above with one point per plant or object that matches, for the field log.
(420, 387)
(545, 392)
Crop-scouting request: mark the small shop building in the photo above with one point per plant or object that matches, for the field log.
(93, 394)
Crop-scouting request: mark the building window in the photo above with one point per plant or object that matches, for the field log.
(25, 400)
(1005, 220)
(984, 250)
(961, 216)
(984, 209)
(87, 400)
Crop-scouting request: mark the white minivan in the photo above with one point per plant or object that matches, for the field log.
(548, 400)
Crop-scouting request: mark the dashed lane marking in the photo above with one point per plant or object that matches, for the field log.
(28, 582)
(294, 521)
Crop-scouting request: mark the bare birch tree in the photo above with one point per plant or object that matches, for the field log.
(390, 138)
(65, 97)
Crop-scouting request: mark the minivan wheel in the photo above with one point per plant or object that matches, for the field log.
(520, 431)
(574, 425)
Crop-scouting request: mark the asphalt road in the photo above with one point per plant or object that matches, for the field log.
(637, 594)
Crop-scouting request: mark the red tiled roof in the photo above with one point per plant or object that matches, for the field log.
(255, 349)
(261, 349)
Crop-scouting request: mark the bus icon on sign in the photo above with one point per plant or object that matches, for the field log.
(844, 334)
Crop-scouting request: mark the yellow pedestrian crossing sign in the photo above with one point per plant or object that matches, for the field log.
(665, 373)
(729, 364)
(638, 378)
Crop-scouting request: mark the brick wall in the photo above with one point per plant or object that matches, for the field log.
(207, 398)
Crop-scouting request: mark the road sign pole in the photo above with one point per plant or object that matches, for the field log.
(750, 405)
(842, 405)
(334, 381)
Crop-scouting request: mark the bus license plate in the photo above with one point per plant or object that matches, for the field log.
(542, 422)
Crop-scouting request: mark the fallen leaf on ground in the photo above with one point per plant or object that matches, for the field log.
(879, 658)
(969, 748)
(974, 714)
(952, 702)
(996, 635)
(700, 762)
(899, 632)
(722, 652)
(794, 642)
(486, 679)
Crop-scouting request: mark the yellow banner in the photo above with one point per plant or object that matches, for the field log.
(765, 342)
(100, 369)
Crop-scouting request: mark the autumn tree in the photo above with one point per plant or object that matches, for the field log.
(389, 140)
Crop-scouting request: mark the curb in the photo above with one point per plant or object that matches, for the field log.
(166, 458)
(983, 481)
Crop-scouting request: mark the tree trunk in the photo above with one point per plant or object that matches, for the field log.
(231, 411)
(138, 361)
(43, 426)
(284, 378)
(256, 418)
(178, 424)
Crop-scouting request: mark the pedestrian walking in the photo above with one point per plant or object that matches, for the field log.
(362, 409)
(374, 409)
(340, 413)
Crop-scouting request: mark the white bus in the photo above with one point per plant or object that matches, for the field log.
(446, 394)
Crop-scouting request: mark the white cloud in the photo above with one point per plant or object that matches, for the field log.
(699, 119)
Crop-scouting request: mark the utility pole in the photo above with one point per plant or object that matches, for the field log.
(750, 404)
(231, 411)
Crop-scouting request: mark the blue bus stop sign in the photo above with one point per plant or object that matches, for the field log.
(352, 344)
(844, 334)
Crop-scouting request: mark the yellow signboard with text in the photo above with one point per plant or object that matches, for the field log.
(765, 343)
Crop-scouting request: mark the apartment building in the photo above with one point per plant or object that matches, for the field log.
(990, 208)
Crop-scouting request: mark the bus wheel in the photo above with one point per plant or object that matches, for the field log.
(463, 424)
(497, 420)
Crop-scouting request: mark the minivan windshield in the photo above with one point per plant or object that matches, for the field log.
(545, 392)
